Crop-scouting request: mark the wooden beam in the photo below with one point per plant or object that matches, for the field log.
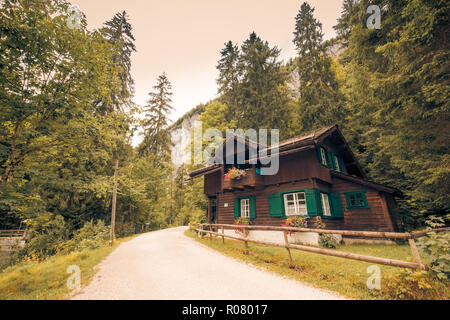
(414, 251)
(286, 242)
(370, 234)
(340, 254)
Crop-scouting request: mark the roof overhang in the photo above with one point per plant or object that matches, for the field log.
(371, 184)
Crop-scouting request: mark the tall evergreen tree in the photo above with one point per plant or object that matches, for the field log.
(156, 122)
(118, 32)
(229, 79)
(395, 83)
(346, 20)
(264, 95)
(320, 101)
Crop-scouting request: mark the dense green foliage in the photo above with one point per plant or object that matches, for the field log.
(386, 88)
(66, 114)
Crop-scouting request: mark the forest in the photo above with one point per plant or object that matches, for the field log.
(67, 114)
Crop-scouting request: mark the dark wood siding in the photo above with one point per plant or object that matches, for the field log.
(213, 183)
(376, 218)
(226, 214)
(372, 219)
(299, 166)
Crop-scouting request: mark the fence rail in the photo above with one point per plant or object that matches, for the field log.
(12, 233)
(417, 264)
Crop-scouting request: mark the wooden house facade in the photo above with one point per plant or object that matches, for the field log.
(318, 176)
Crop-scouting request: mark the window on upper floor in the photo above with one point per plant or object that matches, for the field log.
(337, 163)
(323, 156)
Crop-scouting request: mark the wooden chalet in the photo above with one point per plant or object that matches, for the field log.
(318, 176)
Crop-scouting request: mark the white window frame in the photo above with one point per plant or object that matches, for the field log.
(299, 210)
(336, 161)
(323, 155)
(245, 208)
(325, 204)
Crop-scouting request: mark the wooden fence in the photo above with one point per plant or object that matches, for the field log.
(417, 264)
(13, 233)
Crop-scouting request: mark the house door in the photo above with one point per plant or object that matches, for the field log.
(213, 210)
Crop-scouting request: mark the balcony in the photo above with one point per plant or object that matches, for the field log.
(250, 180)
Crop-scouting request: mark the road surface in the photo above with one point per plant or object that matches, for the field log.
(166, 264)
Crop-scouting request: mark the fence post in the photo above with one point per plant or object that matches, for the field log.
(201, 233)
(286, 242)
(210, 234)
(414, 251)
(223, 232)
(246, 232)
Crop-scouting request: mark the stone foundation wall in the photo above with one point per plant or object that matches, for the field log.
(305, 238)
(11, 244)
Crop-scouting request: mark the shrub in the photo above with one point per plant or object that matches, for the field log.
(409, 285)
(197, 216)
(328, 241)
(125, 229)
(46, 236)
(437, 247)
(90, 236)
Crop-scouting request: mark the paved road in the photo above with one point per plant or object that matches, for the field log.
(166, 264)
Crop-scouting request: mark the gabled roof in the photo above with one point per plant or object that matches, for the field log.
(311, 138)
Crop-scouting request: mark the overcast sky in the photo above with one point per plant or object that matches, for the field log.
(184, 37)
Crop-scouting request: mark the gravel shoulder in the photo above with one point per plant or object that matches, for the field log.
(167, 265)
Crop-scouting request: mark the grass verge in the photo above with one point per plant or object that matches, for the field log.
(344, 276)
(47, 280)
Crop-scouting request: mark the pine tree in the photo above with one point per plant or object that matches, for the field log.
(320, 101)
(156, 122)
(263, 93)
(118, 32)
(253, 86)
(395, 87)
(346, 20)
(228, 80)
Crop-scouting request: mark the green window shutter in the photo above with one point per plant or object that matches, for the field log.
(237, 208)
(319, 203)
(341, 164)
(336, 206)
(329, 159)
(276, 205)
(252, 207)
(312, 202)
(319, 157)
(333, 164)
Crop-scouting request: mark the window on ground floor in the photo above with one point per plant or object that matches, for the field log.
(295, 204)
(356, 199)
(245, 208)
(325, 204)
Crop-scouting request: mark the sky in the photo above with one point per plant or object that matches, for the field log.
(184, 37)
